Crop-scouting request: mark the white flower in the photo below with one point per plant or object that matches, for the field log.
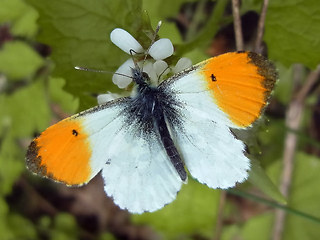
(103, 98)
(125, 69)
(182, 64)
(156, 68)
(159, 50)
(124, 40)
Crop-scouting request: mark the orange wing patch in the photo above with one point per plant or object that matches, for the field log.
(241, 83)
(61, 153)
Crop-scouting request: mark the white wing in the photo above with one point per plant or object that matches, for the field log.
(190, 89)
(138, 174)
(210, 151)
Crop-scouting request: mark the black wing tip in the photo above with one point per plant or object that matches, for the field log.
(265, 68)
(33, 160)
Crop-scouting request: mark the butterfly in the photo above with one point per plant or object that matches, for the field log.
(144, 144)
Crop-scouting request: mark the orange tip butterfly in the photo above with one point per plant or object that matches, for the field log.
(144, 144)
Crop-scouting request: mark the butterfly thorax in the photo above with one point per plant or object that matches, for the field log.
(148, 103)
(151, 103)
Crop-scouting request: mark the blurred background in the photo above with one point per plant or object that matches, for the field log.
(42, 41)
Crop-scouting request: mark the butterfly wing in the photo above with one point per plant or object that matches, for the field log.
(234, 87)
(210, 151)
(230, 90)
(71, 150)
(139, 175)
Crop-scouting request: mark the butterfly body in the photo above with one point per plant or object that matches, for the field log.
(143, 143)
(151, 109)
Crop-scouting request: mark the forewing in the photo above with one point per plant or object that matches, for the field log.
(73, 150)
(230, 89)
(226, 91)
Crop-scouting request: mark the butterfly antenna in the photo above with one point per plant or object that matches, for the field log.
(100, 71)
(162, 73)
(134, 61)
(152, 41)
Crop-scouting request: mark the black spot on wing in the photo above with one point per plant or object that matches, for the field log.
(213, 78)
(75, 132)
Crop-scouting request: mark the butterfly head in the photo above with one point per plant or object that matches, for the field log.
(139, 77)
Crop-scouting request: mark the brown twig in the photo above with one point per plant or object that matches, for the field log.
(36, 200)
(293, 120)
(260, 31)
(237, 24)
(219, 223)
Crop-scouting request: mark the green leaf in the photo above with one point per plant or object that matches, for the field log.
(65, 222)
(161, 10)
(284, 86)
(22, 114)
(67, 102)
(193, 212)
(14, 226)
(304, 197)
(106, 236)
(5, 232)
(19, 60)
(21, 227)
(21, 16)
(303, 209)
(207, 33)
(26, 111)
(292, 32)
(271, 141)
(78, 34)
(64, 227)
(251, 5)
(260, 179)
(258, 228)
(11, 162)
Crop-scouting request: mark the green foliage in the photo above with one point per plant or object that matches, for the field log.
(168, 9)
(22, 101)
(84, 41)
(10, 162)
(261, 180)
(66, 100)
(292, 32)
(21, 17)
(10, 63)
(284, 89)
(272, 140)
(14, 226)
(65, 227)
(193, 212)
(303, 197)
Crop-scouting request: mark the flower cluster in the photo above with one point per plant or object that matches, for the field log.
(155, 67)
